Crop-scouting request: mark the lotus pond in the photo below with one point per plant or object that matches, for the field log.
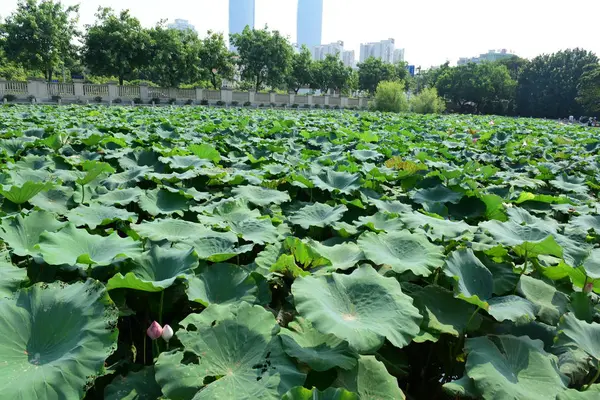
(196, 253)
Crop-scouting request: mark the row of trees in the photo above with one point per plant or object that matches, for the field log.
(556, 85)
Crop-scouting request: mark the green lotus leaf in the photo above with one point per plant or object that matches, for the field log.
(357, 308)
(121, 196)
(261, 196)
(227, 284)
(73, 246)
(318, 214)
(185, 162)
(370, 380)
(587, 222)
(437, 194)
(509, 367)
(592, 264)
(473, 281)
(436, 228)
(342, 256)
(529, 239)
(512, 308)
(302, 393)
(55, 200)
(11, 278)
(205, 151)
(155, 270)
(590, 393)
(56, 340)
(127, 178)
(381, 222)
(319, 351)
(570, 184)
(332, 181)
(551, 303)
(393, 207)
(162, 202)
(235, 354)
(229, 211)
(174, 230)
(22, 234)
(462, 388)
(139, 385)
(583, 334)
(23, 193)
(403, 251)
(443, 313)
(97, 214)
(93, 169)
(218, 246)
(259, 231)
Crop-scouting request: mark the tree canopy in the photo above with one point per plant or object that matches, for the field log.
(301, 73)
(216, 61)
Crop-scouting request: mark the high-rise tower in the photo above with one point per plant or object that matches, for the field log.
(310, 23)
(241, 14)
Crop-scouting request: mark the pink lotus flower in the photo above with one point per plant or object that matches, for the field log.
(588, 287)
(492, 122)
(475, 140)
(154, 331)
(167, 333)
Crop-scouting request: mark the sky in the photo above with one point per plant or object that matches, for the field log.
(431, 31)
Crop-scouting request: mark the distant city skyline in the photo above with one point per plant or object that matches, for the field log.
(431, 31)
(241, 14)
(309, 23)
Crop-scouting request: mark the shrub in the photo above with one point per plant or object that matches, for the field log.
(307, 106)
(137, 100)
(98, 99)
(261, 105)
(220, 103)
(317, 106)
(189, 102)
(9, 97)
(247, 104)
(294, 105)
(203, 102)
(56, 98)
(117, 101)
(235, 103)
(273, 105)
(284, 105)
(154, 100)
(31, 98)
(172, 100)
(327, 106)
(390, 96)
(427, 102)
(336, 107)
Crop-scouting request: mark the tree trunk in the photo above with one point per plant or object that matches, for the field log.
(49, 75)
(121, 80)
(257, 83)
(213, 80)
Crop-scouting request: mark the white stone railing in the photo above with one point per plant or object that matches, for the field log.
(42, 91)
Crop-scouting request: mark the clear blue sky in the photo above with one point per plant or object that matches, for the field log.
(431, 31)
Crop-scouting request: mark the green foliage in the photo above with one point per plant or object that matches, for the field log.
(216, 61)
(301, 73)
(427, 101)
(374, 70)
(265, 57)
(329, 73)
(588, 89)
(390, 96)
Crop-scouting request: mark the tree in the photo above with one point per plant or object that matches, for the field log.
(352, 84)
(38, 36)
(390, 96)
(174, 55)
(330, 73)
(116, 45)
(514, 64)
(588, 90)
(548, 85)
(427, 102)
(429, 77)
(301, 70)
(216, 61)
(372, 71)
(264, 57)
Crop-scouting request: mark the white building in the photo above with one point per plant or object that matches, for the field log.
(321, 52)
(384, 50)
(398, 55)
(490, 56)
(349, 59)
(182, 25)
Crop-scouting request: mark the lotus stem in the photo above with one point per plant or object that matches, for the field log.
(144, 348)
(160, 308)
(594, 378)
(82, 193)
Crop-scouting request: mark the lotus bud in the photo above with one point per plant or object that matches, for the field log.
(154, 331)
(167, 333)
(588, 287)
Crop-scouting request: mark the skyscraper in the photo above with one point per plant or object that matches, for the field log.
(241, 14)
(310, 23)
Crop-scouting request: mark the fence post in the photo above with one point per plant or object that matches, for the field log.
(292, 98)
(78, 88)
(144, 92)
(37, 88)
(309, 99)
(2, 86)
(363, 102)
(226, 95)
(113, 91)
(251, 95)
(271, 97)
(343, 102)
(326, 99)
(199, 94)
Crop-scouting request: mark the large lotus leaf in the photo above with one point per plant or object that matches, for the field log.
(587, 222)
(592, 264)
(381, 222)
(512, 308)
(92, 170)
(55, 200)
(155, 270)
(363, 308)
(174, 230)
(259, 231)
(570, 184)
(584, 335)
(11, 278)
(318, 214)
(437, 194)
(205, 151)
(160, 201)
(97, 214)
(370, 379)
(436, 228)
(474, 282)
(127, 178)
(235, 350)
(71, 246)
(332, 181)
(530, 239)
(302, 393)
(139, 385)
(462, 388)
(393, 207)
(512, 368)
(56, 338)
(320, 351)
(121, 196)
(185, 162)
(589, 393)
(229, 211)
(22, 234)
(550, 302)
(342, 255)
(21, 194)
(261, 196)
(227, 284)
(403, 251)
(218, 246)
